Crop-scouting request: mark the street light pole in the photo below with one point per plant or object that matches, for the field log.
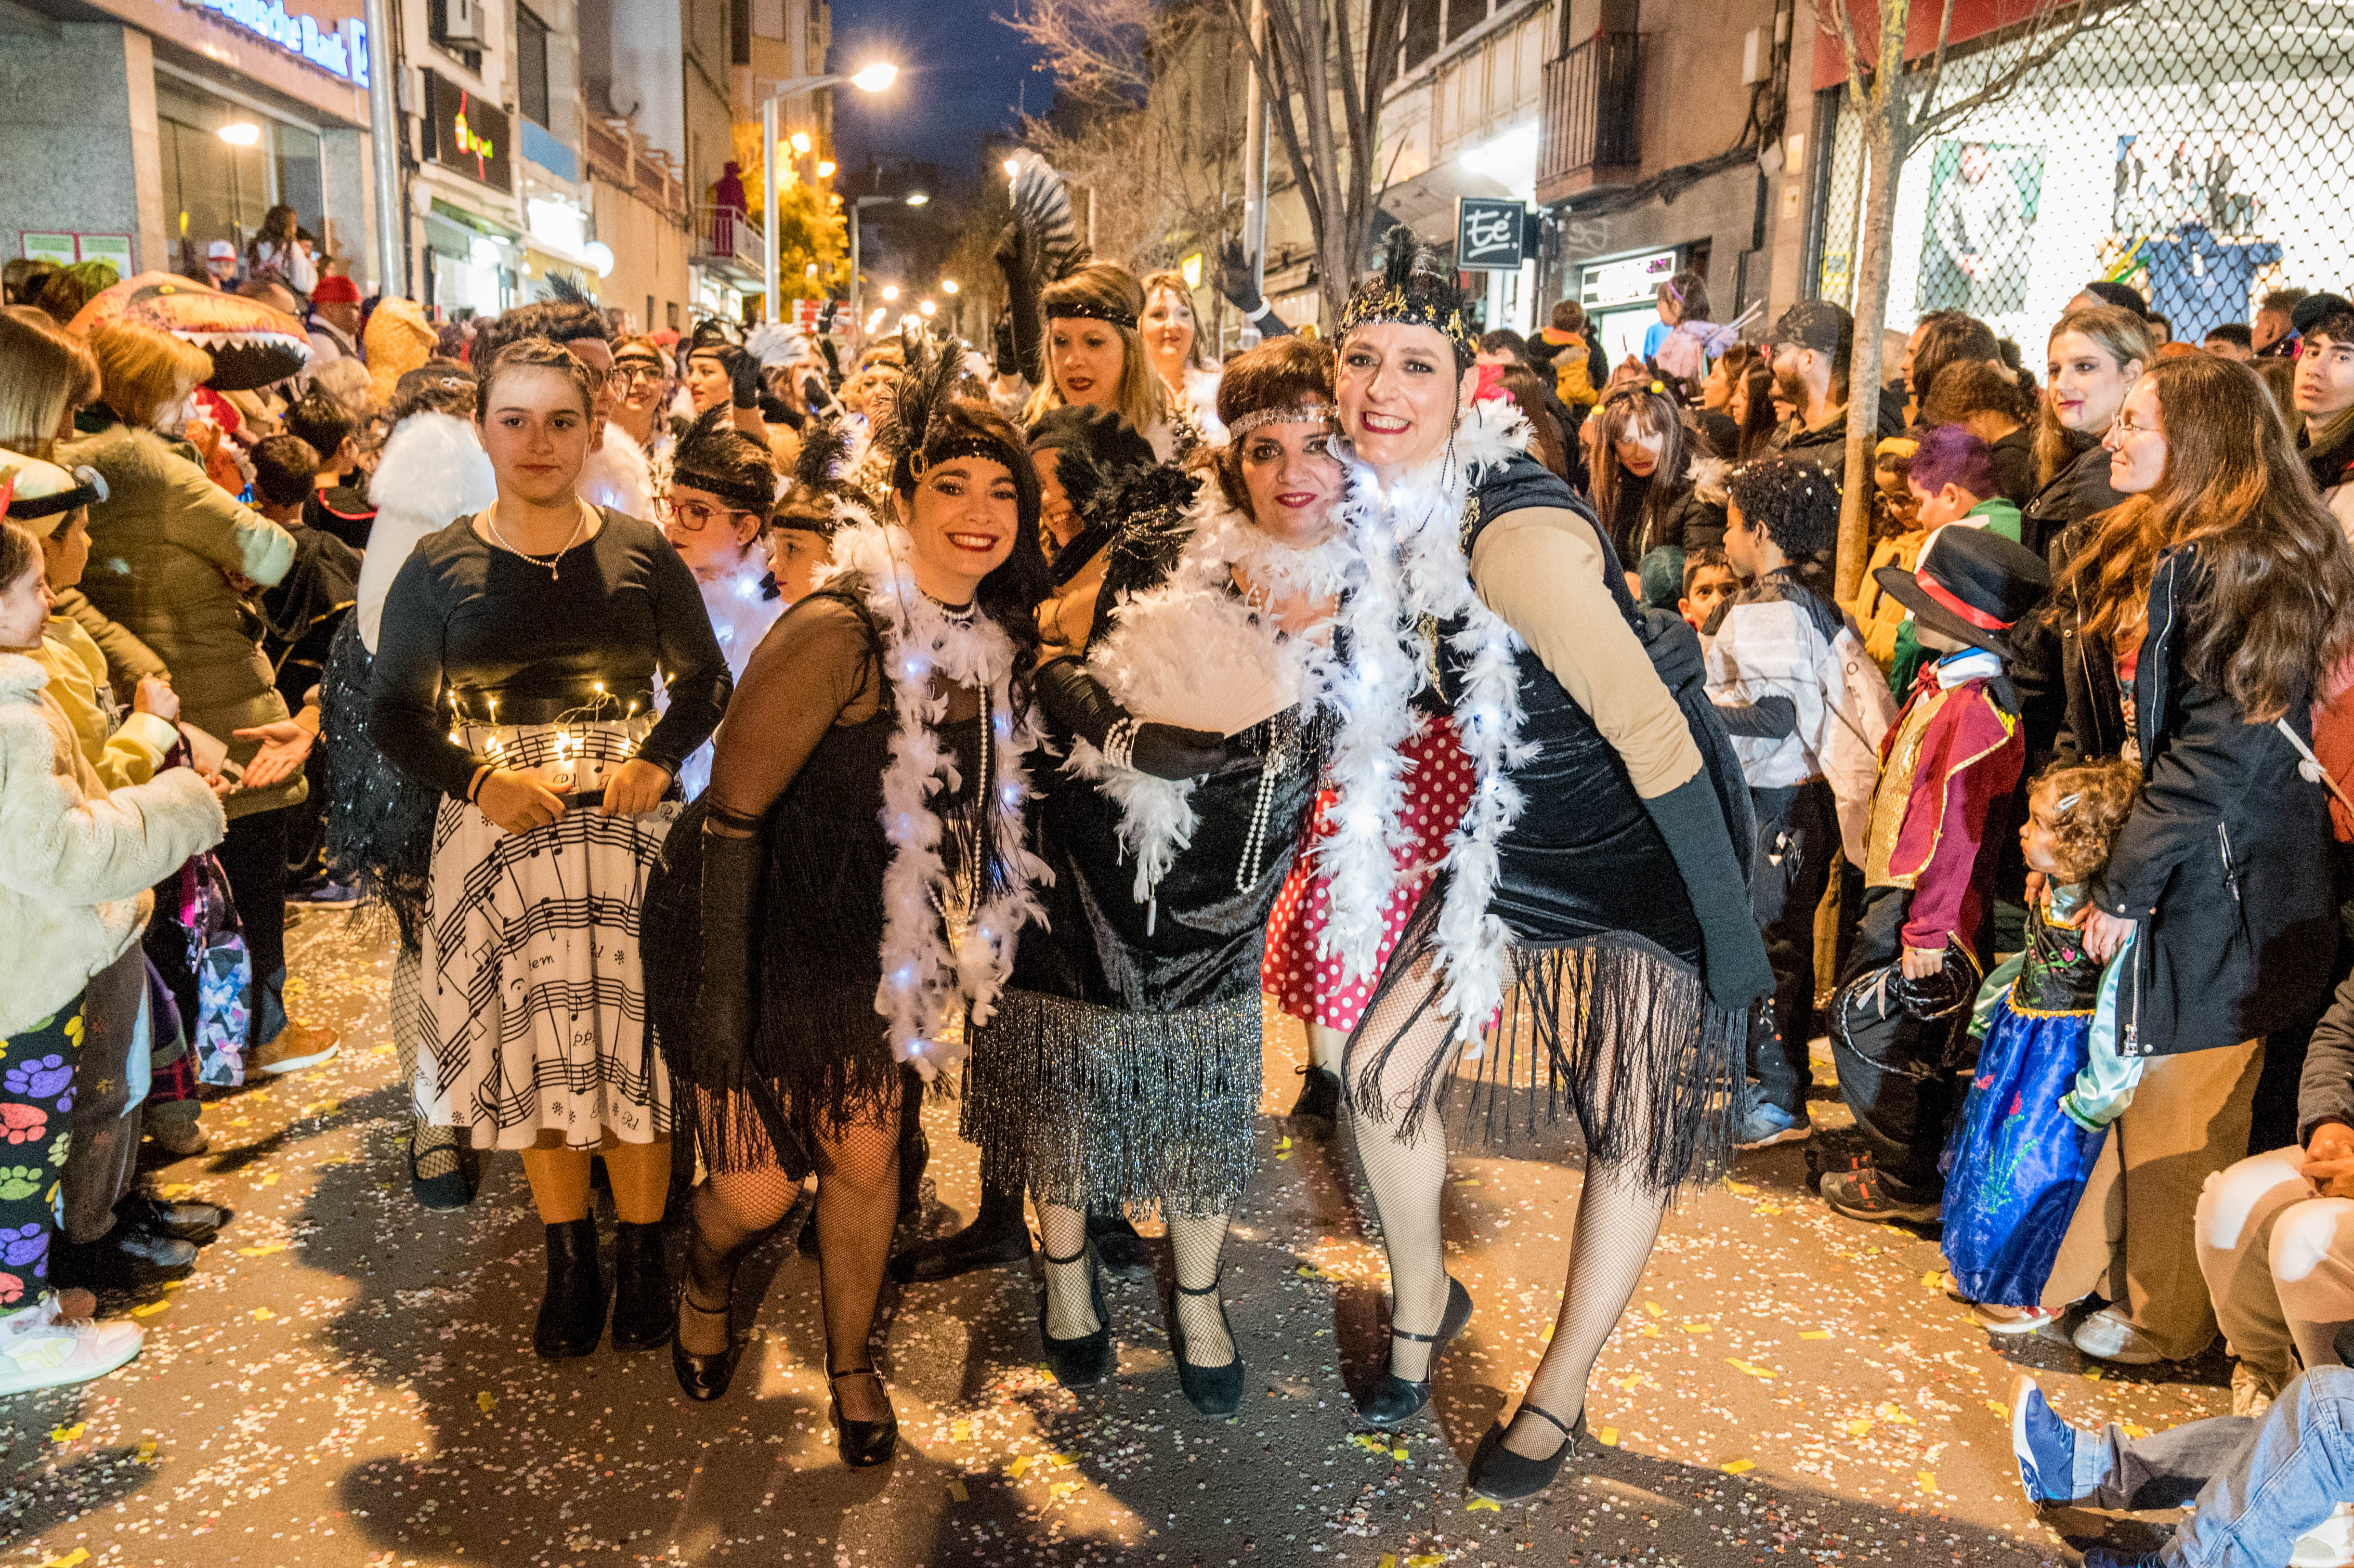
(858, 204)
(871, 79)
(384, 149)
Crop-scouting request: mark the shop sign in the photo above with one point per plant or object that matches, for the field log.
(342, 53)
(58, 249)
(65, 249)
(1635, 280)
(1487, 234)
(469, 136)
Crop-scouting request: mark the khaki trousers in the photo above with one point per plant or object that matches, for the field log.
(2134, 1238)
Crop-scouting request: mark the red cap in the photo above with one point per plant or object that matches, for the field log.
(336, 289)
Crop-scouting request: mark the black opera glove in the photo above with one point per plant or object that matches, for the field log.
(1076, 701)
(1019, 264)
(1732, 953)
(731, 879)
(743, 375)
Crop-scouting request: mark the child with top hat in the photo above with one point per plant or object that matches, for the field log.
(1953, 755)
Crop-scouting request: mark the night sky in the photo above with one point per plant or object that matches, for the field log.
(961, 76)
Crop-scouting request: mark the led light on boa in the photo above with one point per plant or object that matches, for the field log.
(1191, 651)
(924, 979)
(251, 345)
(1409, 536)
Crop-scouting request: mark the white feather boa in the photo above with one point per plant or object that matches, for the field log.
(925, 981)
(1417, 572)
(1186, 633)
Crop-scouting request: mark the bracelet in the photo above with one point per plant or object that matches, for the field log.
(475, 787)
(1120, 744)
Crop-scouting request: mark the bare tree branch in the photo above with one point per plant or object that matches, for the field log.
(2000, 85)
(1098, 49)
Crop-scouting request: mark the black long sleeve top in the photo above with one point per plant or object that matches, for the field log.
(467, 620)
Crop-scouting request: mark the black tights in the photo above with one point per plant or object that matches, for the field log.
(1617, 1219)
(857, 1207)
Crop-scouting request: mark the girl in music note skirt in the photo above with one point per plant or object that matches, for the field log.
(514, 674)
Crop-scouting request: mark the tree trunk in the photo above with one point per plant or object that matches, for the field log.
(1884, 142)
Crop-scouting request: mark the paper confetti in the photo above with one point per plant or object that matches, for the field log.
(1745, 1367)
(147, 1452)
(1482, 1505)
(961, 1431)
(1699, 1328)
(264, 1250)
(1814, 1333)
(1927, 1481)
(1655, 1309)
(70, 1560)
(957, 1493)
(1020, 1464)
(486, 1403)
(149, 1309)
(67, 1433)
(1606, 1435)
(263, 1314)
(1738, 1467)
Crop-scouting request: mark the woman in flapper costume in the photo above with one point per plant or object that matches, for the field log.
(541, 622)
(1593, 887)
(869, 785)
(1123, 1065)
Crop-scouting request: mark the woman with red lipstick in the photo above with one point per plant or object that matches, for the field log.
(1093, 355)
(515, 674)
(2097, 355)
(1124, 1064)
(1591, 888)
(1173, 340)
(869, 787)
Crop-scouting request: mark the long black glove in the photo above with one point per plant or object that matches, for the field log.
(731, 879)
(1018, 261)
(1240, 288)
(1007, 361)
(1076, 700)
(1732, 953)
(743, 375)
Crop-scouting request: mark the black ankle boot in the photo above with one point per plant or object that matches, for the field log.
(572, 1317)
(998, 1234)
(1499, 1475)
(1316, 1113)
(1118, 1246)
(642, 1320)
(1394, 1400)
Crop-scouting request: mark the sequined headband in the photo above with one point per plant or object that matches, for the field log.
(745, 498)
(1087, 310)
(1284, 414)
(935, 453)
(1388, 302)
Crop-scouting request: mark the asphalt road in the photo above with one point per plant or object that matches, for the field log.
(348, 1379)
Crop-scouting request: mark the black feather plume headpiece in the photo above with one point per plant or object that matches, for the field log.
(716, 457)
(920, 433)
(818, 493)
(1410, 289)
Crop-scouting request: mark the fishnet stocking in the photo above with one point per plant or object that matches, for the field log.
(434, 1149)
(1197, 1246)
(857, 1204)
(1617, 1220)
(1407, 1175)
(1070, 1303)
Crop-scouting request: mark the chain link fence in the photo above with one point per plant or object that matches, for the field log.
(2194, 149)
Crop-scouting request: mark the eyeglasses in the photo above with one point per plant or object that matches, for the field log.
(695, 516)
(2123, 426)
(630, 373)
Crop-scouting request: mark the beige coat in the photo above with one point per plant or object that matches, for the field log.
(160, 546)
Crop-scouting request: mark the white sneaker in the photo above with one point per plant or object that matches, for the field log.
(2249, 1395)
(40, 1350)
(2110, 1338)
(2332, 1546)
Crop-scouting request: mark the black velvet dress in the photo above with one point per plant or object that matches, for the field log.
(1125, 1060)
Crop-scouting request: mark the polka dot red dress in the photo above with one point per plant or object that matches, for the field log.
(1439, 780)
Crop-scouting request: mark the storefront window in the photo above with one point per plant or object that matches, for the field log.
(216, 188)
(2185, 147)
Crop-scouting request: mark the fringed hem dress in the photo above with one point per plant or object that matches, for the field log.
(531, 1008)
(1125, 1062)
(1603, 1009)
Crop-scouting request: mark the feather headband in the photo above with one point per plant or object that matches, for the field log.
(1410, 290)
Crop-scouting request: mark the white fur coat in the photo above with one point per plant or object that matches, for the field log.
(433, 473)
(76, 862)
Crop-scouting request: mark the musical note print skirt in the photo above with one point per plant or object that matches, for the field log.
(531, 999)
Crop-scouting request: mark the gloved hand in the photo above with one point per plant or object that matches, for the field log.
(1675, 649)
(731, 879)
(1732, 953)
(1007, 362)
(1235, 278)
(1019, 261)
(743, 373)
(1076, 700)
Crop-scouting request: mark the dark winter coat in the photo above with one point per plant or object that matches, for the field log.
(2078, 490)
(2327, 1093)
(2225, 855)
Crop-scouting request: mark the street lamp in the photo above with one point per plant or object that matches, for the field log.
(800, 142)
(948, 285)
(870, 78)
(825, 168)
(890, 294)
(858, 204)
(928, 307)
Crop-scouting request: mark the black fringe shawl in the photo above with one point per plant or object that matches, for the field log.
(380, 822)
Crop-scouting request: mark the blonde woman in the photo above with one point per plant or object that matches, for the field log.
(1172, 341)
(1095, 356)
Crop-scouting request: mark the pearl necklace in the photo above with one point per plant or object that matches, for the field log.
(579, 520)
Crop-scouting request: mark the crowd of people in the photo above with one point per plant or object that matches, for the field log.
(747, 738)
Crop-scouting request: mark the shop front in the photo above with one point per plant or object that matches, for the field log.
(1620, 294)
(2191, 148)
(472, 247)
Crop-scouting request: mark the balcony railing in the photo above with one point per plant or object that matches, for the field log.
(1592, 133)
(620, 155)
(727, 236)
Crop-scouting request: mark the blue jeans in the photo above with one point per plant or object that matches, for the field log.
(2258, 1483)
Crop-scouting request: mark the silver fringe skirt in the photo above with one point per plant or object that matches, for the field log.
(1098, 1105)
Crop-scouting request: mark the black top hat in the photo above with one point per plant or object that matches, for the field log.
(1971, 584)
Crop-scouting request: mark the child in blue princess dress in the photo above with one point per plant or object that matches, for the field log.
(2050, 1079)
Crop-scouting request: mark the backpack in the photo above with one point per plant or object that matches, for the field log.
(1850, 751)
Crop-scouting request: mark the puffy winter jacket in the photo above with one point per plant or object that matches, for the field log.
(76, 862)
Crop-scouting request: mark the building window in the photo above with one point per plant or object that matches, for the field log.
(1462, 15)
(215, 190)
(531, 66)
(673, 318)
(1422, 24)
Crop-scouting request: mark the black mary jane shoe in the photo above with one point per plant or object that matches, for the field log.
(572, 1315)
(863, 1444)
(1393, 1401)
(1118, 1246)
(1089, 1358)
(704, 1378)
(1499, 1475)
(1316, 1113)
(642, 1297)
(1212, 1391)
(994, 1238)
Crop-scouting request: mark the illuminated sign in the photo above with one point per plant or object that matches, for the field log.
(1489, 234)
(470, 136)
(340, 51)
